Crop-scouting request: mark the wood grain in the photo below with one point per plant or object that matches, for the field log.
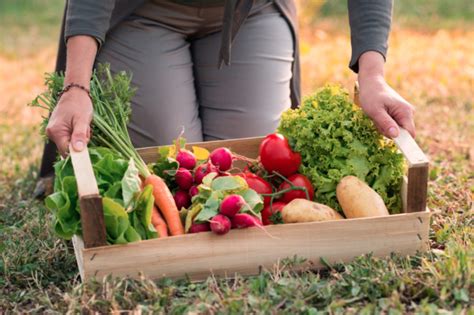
(410, 149)
(246, 251)
(78, 245)
(92, 221)
(81, 162)
(417, 189)
(90, 202)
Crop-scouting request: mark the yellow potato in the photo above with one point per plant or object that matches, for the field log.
(358, 200)
(302, 210)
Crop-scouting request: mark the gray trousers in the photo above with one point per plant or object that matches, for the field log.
(172, 52)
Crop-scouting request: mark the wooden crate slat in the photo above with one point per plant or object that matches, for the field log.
(245, 251)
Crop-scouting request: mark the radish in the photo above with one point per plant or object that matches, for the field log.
(186, 159)
(220, 224)
(222, 158)
(199, 227)
(231, 205)
(182, 199)
(184, 178)
(244, 220)
(202, 170)
(193, 191)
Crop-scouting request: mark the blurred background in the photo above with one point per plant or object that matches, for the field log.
(430, 62)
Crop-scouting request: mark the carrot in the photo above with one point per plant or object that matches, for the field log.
(165, 202)
(159, 223)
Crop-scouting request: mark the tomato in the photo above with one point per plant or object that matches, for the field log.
(273, 215)
(299, 181)
(276, 155)
(258, 184)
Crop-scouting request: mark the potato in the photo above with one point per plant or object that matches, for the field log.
(358, 199)
(302, 210)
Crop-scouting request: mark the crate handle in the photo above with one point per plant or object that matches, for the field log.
(90, 201)
(418, 164)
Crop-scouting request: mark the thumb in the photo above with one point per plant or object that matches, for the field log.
(386, 125)
(80, 135)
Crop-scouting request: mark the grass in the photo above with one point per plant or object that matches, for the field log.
(432, 68)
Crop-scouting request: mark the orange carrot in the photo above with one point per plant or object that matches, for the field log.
(159, 223)
(165, 202)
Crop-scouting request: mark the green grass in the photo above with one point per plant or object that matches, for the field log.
(38, 273)
(27, 25)
(420, 9)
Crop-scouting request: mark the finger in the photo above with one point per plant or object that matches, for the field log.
(405, 119)
(63, 146)
(80, 135)
(60, 139)
(385, 123)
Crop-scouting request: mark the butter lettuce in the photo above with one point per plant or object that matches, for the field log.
(127, 210)
(335, 139)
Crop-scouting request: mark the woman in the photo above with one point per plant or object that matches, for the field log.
(219, 68)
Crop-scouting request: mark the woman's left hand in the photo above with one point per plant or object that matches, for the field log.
(379, 101)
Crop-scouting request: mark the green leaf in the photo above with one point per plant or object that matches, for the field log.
(67, 219)
(117, 223)
(111, 168)
(229, 183)
(131, 183)
(166, 168)
(113, 208)
(114, 191)
(131, 235)
(143, 211)
(191, 214)
(207, 180)
(254, 201)
(210, 209)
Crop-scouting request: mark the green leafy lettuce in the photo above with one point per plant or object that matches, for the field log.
(335, 139)
(127, 209)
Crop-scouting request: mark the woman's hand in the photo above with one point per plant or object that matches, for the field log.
(379, 101)
(70, 121)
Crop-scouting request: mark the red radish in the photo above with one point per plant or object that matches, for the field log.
(201, 171)
(272, 215)
(199, 227)
(220, 224)
(244, 220)
(182, 199)
(193, 191)
(184, 178)
(186, 159)
(222, 158)
(231, 205)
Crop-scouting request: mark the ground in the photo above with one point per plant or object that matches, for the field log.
(430, 62)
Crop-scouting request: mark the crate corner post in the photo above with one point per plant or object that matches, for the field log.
(92, 214)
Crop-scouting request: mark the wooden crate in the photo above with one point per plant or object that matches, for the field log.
(247, 251)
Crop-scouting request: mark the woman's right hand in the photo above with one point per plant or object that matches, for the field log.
(70, 121)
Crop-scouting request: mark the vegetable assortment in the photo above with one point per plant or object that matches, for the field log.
(327, 157)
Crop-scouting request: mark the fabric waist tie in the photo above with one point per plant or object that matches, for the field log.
(235, 13)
